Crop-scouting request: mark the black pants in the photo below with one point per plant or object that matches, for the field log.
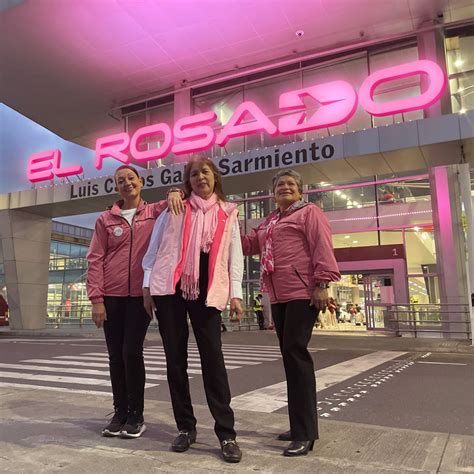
(260, 319)
(294, 323)
(172, 311)
(125, 330)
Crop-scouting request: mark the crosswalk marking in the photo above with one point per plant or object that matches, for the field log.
(227, 354)
(193, 361)
(69, 370)
(59, 378)
(149, 365)
(273, 397)
(54, 389)
(91, 368)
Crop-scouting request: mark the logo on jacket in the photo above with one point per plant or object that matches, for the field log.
(118, 231)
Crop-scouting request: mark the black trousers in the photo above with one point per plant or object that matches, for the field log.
(260, 319)
(172, 311)
(125, 330)
(294, 323)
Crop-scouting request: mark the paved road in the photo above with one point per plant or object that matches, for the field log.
(413, 390)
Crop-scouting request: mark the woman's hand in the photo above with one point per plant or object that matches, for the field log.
(98, 314)
(148, 302)
(319, 299)
(175, 202)
(236, 310)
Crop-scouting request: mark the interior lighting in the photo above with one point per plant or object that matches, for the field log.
(349, 202)
(355, 203)
(338, 192)
(355, 241)
(462, 111)
(347, 236)
(416, 228)
(343, 196)
(458, 62)
(359, 206)
(424, 235)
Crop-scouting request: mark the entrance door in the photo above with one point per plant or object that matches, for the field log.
(378, 297)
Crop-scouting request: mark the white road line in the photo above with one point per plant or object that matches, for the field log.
(273, 397)
(234, 353)
(59, 379)
(51, 340)
(54, 389)
(69, 370)
(150, 366)
(227, 355)
(193, 361)
(439, 363)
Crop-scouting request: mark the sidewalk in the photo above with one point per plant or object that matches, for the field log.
(46, 431)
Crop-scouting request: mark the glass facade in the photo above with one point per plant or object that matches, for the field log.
(460, 65)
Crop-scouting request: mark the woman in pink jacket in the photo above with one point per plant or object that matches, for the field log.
(193, 265)
(297, 263)
(114, 286)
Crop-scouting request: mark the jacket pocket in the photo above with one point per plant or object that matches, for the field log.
(300, 277)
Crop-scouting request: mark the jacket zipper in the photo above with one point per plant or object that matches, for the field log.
(130, 252)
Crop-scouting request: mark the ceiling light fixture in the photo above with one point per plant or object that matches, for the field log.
(458, 62)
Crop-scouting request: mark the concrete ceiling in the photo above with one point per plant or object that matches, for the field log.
(66, 64)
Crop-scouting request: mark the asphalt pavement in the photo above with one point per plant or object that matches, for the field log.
(384, 404)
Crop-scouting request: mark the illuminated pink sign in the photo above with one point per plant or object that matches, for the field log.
(47, 165)
(337, 104)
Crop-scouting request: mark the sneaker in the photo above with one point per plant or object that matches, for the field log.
(231, 451)
(115, 425)
(134, 426)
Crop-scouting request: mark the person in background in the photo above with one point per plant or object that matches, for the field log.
(297, 263)
(193, 265)
(114, 287)
(258, 310)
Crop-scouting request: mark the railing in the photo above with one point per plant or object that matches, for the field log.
(81, 316)
(74, 315)
(425, 319)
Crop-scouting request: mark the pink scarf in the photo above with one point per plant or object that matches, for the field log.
(201, 234)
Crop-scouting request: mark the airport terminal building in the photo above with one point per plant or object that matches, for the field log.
(379, 123)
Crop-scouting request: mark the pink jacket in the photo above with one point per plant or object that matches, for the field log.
(116, 251)
(302, 251)
(163, 262)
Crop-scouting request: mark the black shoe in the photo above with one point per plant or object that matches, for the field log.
(183, 441)
(286, 436)
(115, 425)
(298, 448)
(231, 451)
(134, 427)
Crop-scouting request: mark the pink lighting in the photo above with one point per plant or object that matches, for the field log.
(46, 165)
(435, 89)
(338, 101)
(154, 153)
(114, 146)
(195, 133)
(235, 128)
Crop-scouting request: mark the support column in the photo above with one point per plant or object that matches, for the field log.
(25, 240)
(431, 45)
(450, 245)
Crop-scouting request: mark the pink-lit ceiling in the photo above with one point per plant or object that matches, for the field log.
(65, 64)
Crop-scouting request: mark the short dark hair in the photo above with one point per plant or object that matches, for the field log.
(202, 160)
(292, 174)
(126, 167)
